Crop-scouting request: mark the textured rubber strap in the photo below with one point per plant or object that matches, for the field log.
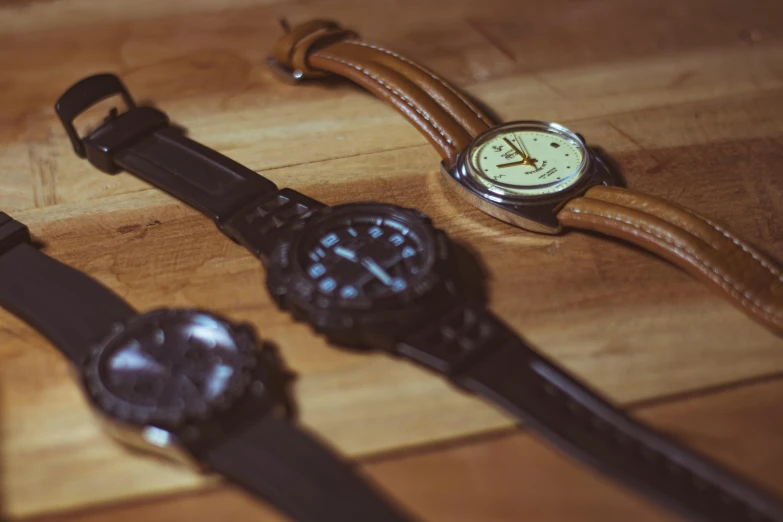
(258, 224)
(246, 206)
(201, 177)
(727, 264)
(142, 141)
(68, 307)
(276, 460)
(480, 354)
(443, 114)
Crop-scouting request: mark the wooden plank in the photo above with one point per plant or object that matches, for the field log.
(684, 97)
(512, 476)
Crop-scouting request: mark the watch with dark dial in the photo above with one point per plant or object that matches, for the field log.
(184, 384)
(376, 276)
(536, 175)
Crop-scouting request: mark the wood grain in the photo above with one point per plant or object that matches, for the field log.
(511, 476)
(685, 97)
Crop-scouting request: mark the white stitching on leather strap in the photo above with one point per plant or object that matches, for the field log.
(400, 95)
(728, 235)
(453, 90)
(767, 311)
(747, 249)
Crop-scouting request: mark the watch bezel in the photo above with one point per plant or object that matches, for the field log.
(496, 188)
(125, 412)
(537, 213)
(351, 326)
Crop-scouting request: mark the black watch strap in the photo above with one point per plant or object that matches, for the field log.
(479, 353)
(246, 206)
(257, 225)
(70, 308)
(279, 462)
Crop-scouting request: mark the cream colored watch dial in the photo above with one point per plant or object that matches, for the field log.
(528, 161)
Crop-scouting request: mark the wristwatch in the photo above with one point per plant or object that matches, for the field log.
(376, 276)
(536, 175)
(184, 384)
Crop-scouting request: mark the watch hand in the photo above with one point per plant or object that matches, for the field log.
(516, 149)
(376, 270)
(367, 276)
(526, 160)
(343, 252)
(521, 144)
(516, 164)
(530, 161)
(389, 263)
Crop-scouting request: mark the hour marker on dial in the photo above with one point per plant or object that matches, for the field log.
(348, 292)
(375, 232)
(327, 284)
(317, 270)
(330, 240)
(398, 285)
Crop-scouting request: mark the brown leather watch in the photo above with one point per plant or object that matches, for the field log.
(536, 175)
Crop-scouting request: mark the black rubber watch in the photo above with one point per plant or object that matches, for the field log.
(375, 276)
(185, 384)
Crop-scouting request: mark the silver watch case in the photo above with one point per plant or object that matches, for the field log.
(534, 213)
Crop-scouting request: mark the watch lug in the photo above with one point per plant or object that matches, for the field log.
(537, 218)
(604, 173)
(150, 439)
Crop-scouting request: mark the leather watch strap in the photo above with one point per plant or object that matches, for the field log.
(446, 117)
(70, 308)
(278, 461)
(706, 250)
(450, 121)
(479, 353)
(246, 206)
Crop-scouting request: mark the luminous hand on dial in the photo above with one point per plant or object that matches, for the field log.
(343, 252)
(376, 270)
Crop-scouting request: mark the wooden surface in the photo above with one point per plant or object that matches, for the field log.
(685, 96)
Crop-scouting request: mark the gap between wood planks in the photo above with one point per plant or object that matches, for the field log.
(568, 121)
(107, 511)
